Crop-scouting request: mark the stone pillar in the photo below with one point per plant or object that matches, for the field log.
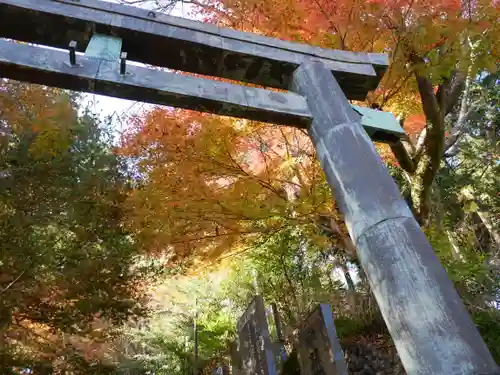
(318, 345)
(428, 322)
(236, 363)
(255, 345)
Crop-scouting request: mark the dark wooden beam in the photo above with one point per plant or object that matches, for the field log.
(180, 44)
(52, 67)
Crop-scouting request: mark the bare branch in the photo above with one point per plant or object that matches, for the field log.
(332, 24)
(457, 132)
(457, 86)
(395, 90)
(419, 147)
(464, 113)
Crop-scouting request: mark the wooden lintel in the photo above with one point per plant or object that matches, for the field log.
(52, 67)
(180, 44)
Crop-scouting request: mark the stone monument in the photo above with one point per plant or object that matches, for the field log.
(255, 346)
(319, 348)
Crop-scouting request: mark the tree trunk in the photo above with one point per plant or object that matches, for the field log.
(468, 196)
(422, 162)
(494, 234)
(350, 284)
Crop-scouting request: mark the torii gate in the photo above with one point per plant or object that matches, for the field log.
(431, 328)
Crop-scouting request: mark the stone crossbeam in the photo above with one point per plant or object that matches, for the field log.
(180, 44)
(52, 67)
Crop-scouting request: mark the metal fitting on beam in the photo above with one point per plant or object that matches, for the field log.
(72, 52)
(123, 63)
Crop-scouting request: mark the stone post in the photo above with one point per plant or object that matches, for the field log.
(426, 318)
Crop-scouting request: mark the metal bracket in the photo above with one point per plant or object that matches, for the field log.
(123, 63)
(72, 53)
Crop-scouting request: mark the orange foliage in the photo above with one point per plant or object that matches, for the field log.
(31, 108)
(428, 28)
(414, 124)
(211, 183)
(433, 30)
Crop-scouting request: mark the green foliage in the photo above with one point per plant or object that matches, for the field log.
(474, 161)
(165, 344)
(289, 269)
(66, 263)
(468, 269)
(488, 323)
(292, 269)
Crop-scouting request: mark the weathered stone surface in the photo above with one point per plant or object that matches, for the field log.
(431, 328)
(46, 66)
(255, 346)
(49, 67)
(180, 44)
(319, 348)
(236, 361)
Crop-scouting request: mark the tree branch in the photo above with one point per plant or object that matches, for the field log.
(28, 268)
(419, 147)
(429, 101)
(403, 156)
(457, 86)
(332, 25)
(463, 114)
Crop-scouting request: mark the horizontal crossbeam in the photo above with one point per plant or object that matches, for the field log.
(46, 66)
(52, 67)
(180, 44)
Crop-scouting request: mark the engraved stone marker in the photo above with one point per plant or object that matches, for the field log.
(255, 345)
(236, 363)
(319, 348)
(278, 339)
(220, 370)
